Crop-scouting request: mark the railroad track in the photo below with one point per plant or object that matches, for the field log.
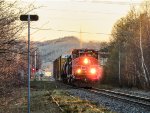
(57, 104)
(145, 102)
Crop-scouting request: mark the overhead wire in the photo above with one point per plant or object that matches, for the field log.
(94, 1)
(103, 2)
(112, 2)
(83, 11)
(41, 27)
(70, 31)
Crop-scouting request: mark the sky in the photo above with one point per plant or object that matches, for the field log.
(60, 18)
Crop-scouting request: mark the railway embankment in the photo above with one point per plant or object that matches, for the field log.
(55, 97)
(48, 97)
(115, 103)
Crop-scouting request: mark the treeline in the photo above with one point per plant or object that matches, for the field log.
(129, 61)
(13, 47)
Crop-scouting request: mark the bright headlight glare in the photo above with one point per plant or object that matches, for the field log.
(86, 61)
(78, 71)
(93, 71)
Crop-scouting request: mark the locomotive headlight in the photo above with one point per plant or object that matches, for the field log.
(92, 70)
(86, 61)
(78, 71)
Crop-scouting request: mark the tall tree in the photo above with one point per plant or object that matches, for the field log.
(130, 46)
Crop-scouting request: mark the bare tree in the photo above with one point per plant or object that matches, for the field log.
(13, 50)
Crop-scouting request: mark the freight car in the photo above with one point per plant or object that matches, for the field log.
(58, 67)
(81, 67)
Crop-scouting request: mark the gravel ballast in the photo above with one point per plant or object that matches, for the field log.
(112, 104)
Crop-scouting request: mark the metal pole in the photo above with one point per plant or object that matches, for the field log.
(119, 67)
(35, 60)
(28, 63)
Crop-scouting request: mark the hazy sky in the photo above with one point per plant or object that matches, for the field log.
(59, 18)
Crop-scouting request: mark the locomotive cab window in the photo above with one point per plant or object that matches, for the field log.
(90, 54)
(77, 53)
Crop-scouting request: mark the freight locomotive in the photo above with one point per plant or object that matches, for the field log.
(81, 68)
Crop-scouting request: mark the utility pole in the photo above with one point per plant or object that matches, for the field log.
(35, 59)
(119, 67)
(80, 38)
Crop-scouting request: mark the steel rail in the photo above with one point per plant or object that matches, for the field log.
(144, 101)
(122, 96)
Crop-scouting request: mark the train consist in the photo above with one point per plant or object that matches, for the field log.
(81, 67)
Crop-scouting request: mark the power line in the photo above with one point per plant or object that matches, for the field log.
(41, 27)
(71, 31)
(103, 2)
(98, 12)
(112, 2)
(83, 11)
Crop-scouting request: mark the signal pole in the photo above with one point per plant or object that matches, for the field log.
(29, 18)
(28, 63)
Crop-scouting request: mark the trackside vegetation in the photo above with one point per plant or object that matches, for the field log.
(130, 50)
(45, 95)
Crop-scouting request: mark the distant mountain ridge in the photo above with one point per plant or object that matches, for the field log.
(52, 49)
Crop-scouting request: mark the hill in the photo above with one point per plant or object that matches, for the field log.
(52, 49)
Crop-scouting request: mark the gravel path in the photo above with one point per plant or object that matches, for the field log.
(112, 104)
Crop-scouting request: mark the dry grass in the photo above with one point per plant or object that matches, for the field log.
(75, 105)
(42, 102)
(40, 99)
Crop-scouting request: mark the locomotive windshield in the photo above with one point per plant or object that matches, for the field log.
(84, 52)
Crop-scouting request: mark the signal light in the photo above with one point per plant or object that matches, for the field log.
(93, 71)
(33, 70)
(86, 61)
